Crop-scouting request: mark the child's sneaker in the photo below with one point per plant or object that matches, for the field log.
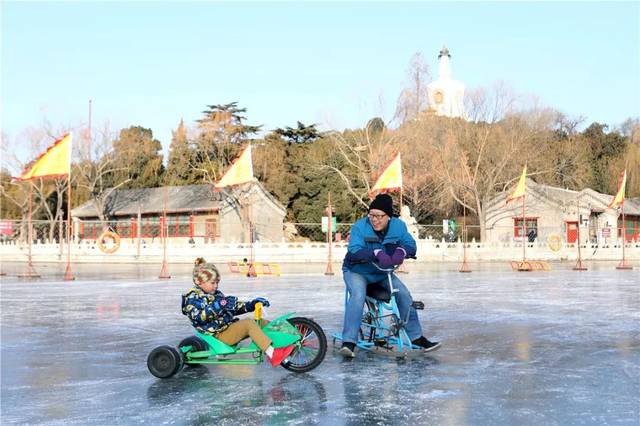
(279, 354)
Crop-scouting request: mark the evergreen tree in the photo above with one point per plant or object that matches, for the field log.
(606, 148)
(222, 132)
(299, 134)
(181, 156)
(225, 123)
(138, 153)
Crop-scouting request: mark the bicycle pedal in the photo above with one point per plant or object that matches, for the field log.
(417, 305)
(381, 343)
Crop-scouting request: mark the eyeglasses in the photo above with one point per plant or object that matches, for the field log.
(376, 216)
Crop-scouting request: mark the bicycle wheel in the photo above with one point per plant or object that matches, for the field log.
(164, 361)
(197, 345)
(312, 347)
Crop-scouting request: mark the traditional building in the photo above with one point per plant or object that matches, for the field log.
(551, 211)
(193, 212)
(446, 95)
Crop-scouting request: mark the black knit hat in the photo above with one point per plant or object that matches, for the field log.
(383, 202)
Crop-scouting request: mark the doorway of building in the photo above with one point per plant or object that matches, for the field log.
(211, 230)
(572, 232)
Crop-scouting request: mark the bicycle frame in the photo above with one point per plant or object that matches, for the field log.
(377, 333)
(392, 333)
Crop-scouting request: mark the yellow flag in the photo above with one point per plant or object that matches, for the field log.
(390, 179)
(55, 162)
(520, 189)
(619, 198)
(241, 171)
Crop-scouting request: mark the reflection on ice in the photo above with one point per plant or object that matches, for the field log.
(543, 348)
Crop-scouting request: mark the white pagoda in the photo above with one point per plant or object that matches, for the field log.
(446, 95)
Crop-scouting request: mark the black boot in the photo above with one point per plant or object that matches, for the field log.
(348, 350)
(425, 344)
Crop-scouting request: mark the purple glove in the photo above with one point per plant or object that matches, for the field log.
(384, 260)
(398, 256)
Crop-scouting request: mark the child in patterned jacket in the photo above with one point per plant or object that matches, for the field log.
(211, 312)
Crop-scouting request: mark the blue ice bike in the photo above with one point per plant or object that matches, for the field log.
(382, 329)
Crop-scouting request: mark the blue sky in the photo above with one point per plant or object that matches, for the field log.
(334, 64)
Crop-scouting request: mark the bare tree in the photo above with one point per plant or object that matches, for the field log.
(413, 98)
(470, 162)
(359, 157)
(222, 131)
(96, 170)
(41, 191)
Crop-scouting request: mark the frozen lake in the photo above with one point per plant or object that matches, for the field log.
(543, 348)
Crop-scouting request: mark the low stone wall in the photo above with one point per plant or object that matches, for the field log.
(307, 252)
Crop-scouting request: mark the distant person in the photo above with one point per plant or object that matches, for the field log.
(384, 240)
(211, 312)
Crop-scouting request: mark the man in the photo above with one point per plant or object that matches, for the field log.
(383, 239)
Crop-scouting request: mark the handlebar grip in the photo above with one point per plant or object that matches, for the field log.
(257, 311)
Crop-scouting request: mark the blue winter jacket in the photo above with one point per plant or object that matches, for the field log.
(363, 240)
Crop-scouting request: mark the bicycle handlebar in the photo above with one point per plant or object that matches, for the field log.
(392, 269)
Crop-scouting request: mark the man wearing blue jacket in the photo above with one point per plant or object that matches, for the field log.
(382, 239)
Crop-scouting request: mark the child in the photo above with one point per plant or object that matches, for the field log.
(211, 312)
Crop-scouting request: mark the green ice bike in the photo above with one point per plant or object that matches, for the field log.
(307, 336)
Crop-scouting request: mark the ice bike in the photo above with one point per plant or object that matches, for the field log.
(307, 336)
(382, 328)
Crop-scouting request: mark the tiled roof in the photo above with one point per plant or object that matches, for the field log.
(188, 198)
(563, 196)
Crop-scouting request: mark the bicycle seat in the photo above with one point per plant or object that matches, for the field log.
(379, 291)
(216, 345)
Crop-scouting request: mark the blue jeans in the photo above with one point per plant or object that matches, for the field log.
(357, 288)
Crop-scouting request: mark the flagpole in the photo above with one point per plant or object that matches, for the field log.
(623, 264)
(524, 234)
(251, 272)
(30, 272)
(68, 275)
(251, 268)
(61, 235)
(524, 265)
(164, 270)
(465, 265)
(329, 270)
(579, 265)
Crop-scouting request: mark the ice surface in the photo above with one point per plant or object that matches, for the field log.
(558, 347)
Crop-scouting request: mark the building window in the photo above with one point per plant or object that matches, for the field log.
(178, 225)
(90, 229)
(632, 227)
(531, 224)
(151, 227)
(123, 229)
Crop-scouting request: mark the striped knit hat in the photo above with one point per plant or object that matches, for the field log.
(204, 272)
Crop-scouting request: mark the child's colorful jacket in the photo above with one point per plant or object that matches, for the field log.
(211, 313)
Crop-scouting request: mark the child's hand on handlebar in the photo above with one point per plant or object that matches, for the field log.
(262, 300)
(251, 306)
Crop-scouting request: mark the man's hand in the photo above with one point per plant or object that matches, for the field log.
(398, 256)
(384, 260)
